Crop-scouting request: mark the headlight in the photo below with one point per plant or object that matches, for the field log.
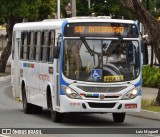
(132, 94)
(70, 92)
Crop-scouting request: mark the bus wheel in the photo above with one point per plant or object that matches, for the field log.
(27, 107)
(55, 116)
(36, 109)
(119, 117)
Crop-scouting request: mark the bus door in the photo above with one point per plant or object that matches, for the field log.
(31, 67)
(56, 90)
(16, 63)
(46, 65)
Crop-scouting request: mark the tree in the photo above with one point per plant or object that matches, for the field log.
(82, 8)
(151, 25)
(45, 8)
(109, 7)
(14, 11)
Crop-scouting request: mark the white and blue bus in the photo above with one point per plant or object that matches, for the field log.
(72, 65)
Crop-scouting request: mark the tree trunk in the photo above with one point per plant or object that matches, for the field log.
(7, 50)
(151, 25)
(158, 98)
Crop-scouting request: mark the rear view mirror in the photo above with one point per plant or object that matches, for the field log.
(144, 49)
(56, 51)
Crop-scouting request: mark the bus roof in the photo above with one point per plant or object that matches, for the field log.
(38, 25)
(57, 23)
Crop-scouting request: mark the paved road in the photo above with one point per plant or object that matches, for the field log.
(12, 116)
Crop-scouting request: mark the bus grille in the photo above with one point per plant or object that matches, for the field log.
(101, 105)
(98, 96)
(102, 89)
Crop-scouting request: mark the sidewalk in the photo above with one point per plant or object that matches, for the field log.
(149, 93)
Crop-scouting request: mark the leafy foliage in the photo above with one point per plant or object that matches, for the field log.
(150, 76)
(148, 103)
(45, 8)
(30, 9)
(82, 8)
(153, 6)
(110, 7)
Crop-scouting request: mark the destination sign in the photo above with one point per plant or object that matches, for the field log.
(99, 29)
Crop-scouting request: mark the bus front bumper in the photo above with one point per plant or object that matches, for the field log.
(81, 105)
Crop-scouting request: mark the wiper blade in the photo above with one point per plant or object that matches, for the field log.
(119, 41)
(112, 47)
(87, 46)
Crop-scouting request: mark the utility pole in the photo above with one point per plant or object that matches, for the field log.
(89, 4)
(73, 7)
(58, 9)
(140, 27)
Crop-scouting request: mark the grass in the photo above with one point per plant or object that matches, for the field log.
(150, 105)
(153, 108)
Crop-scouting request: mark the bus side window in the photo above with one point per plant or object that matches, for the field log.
(37, 45)
(51, 45)
(24, 45)
(31, 46)
(44, 46)
(28, 43)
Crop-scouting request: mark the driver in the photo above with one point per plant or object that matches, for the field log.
(117, 56)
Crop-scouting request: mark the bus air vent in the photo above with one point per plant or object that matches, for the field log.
(101, 105)
(102, 89)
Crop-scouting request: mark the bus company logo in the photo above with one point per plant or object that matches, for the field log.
(6, 131)
(102, 96)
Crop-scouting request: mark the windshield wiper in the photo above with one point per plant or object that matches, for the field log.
(119, 41)
(87, 46)
(112, 47)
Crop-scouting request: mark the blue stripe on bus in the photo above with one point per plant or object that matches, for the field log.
(62, 81)
(96, 95)
(140, 93)
(24, 64)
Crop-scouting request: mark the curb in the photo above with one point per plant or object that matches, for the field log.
(5, 77)
(146, 114)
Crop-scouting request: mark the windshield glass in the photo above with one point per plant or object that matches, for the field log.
(101, 60)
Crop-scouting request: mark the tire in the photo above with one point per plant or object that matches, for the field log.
(27, 107)
(55, 116)
(119, 117)
(36, 109)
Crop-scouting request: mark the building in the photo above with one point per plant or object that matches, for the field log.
(3, 40)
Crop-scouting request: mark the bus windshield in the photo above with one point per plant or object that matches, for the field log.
(101, 60)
